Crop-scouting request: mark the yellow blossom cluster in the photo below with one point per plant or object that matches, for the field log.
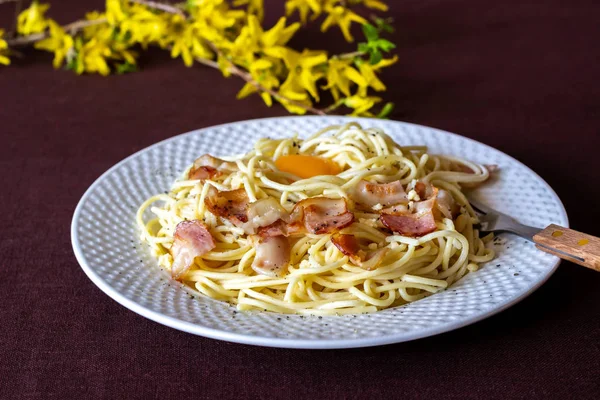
(4, 60)
(227, 35)
(336, 11)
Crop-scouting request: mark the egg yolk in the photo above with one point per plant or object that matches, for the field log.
(307, 166)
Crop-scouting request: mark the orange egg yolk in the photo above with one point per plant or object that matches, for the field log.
(307, 166)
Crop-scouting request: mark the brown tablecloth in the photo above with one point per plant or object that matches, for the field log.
(519, 76)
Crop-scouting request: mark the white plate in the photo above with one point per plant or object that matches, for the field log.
(105, 242)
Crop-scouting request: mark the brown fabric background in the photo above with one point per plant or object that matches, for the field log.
(521, 76)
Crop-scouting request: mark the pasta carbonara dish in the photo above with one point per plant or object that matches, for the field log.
(346, 221)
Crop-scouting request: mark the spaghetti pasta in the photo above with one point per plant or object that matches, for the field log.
(401, 230)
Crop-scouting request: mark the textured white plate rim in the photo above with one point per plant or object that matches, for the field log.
(292, 343)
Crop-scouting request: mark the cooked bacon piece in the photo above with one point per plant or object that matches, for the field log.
(445, 204)
(425, 190)
(296, 221)
(410, 224)
(368, 194)
(277, 228)
(440, 200)
(349, 246)
(263, 213)
(191, 240)
(418, 221)
(207, 166)
(232, 205)
(323, 215)
(272, 255)
(203, 172)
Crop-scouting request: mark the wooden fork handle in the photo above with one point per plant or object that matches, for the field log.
(570, 245)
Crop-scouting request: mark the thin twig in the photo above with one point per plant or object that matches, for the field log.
(170, 8)
(349, 55)
(334, 106)
(72, 27)
(9, 1)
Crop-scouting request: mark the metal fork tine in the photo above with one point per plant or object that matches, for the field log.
(495, 221)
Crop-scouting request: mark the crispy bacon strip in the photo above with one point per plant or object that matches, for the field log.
(272, 255)
(368, 194)
(418, 222)
(349, 246)
(191, 239)
(277, 228)
(410, 224)
(203, 172)
(207, 167)
(231, 205)
(324, 215)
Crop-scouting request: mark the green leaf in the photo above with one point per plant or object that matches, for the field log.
(363, 47)
(370, 32)
(385, 45)
(190, 4)
(376, 56)
(386, 110)
(72, 62)
(382, 25)
(125, 68)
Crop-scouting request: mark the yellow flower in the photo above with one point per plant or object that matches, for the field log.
(255, 7)
(261, 71)
(4, 60)
(303, 7)
(32, 20)
(385, 62)
(187, 42)
(216, 13)
(339, 76)
(376, 4)
(93, 30)
(343, 18)
(361, 104)
(143, 26)
(224, 65)
(368, 73)
(253, 39)
(91, 57)
(301, 67)
(58, 42)
(278, 35)
(371, 79)
(290, 89)
(115, 11)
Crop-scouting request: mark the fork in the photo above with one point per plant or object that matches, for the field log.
(568, 244)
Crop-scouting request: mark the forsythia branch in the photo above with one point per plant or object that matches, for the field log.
(160, 6)
(72, 27)
(221, 36)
